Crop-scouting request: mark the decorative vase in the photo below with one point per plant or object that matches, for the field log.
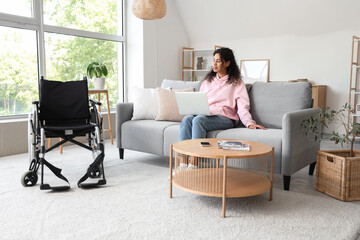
(99, 83)
(199, 64)
(149, 9)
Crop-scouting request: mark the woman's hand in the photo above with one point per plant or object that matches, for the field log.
(256, 126)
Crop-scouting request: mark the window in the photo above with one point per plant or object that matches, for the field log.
(18, 81)
(63, 63)
(17, 7)
(73, 34)
(90, 15)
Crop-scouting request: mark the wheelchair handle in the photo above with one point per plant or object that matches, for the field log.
(94, 102)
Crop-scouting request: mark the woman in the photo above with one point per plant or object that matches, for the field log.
(228, 102)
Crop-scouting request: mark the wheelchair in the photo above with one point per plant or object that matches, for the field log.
(64, 111)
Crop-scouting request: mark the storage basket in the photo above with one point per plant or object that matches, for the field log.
(338, 175)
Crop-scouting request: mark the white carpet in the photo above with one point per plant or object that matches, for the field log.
(135, 204)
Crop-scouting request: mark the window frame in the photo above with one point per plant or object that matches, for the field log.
(36, 23)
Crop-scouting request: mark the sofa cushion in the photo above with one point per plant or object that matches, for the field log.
(271, 100)
(167, 106)
(144, 135)
(178, 84)
(271, 137)
(248, 87)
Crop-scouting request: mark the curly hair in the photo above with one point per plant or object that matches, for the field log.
(226, 54)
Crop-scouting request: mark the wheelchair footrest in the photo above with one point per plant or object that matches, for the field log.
(92, 185)
(56, 188)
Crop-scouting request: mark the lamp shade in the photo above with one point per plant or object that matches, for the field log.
(149, 9)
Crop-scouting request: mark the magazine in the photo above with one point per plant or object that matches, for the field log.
(244, 147)
(221, 143)
(233, 145)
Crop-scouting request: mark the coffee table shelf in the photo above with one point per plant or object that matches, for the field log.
(240, 183)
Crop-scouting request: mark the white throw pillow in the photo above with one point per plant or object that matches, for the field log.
(145, 103)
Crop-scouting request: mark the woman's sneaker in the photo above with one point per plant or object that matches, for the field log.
(182, 167)
(191, 167)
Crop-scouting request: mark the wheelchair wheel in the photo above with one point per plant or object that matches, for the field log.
(29, 179)
(96, 172)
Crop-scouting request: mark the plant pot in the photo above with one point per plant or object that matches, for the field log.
(99, 83)
(338, 174)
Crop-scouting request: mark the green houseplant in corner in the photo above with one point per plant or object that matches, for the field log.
(338, 171)
(313, 126)
(98, 71)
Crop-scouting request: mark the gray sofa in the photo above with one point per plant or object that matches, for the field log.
(279, 106)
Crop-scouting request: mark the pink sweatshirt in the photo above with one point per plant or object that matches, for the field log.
(231, 101)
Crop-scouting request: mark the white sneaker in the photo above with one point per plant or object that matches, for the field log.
(191, 167)
(182, 167)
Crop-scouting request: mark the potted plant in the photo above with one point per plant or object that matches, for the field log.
(313, 126)
(97, 70)
(338, 171)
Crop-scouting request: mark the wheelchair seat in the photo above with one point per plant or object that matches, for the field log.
(63, 111)
(90, 127)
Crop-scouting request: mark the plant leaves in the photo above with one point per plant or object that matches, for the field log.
(97, 69)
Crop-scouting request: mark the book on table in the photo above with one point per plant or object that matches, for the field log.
(233, 145)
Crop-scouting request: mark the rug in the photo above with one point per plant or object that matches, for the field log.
(135, 204)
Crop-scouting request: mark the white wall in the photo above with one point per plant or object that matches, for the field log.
(302, 39)
(134, 48)
(324, 59)
(153, 48)
(171, 37)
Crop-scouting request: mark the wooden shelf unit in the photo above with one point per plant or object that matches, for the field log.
(191, 68)
(354, 89)
(319, 96)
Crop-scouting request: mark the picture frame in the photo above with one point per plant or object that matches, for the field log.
(255, 70)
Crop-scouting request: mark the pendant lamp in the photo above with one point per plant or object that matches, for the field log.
(149, 9)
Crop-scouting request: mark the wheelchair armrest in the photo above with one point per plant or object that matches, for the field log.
(94, 102)
(95, 114)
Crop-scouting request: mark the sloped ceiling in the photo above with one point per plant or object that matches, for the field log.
(216, 20)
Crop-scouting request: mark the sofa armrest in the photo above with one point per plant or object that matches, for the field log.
(124, 112)
(298, 150)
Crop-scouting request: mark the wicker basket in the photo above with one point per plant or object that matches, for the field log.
(338, 175)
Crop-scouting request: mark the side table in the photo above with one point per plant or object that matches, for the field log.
(99, 92)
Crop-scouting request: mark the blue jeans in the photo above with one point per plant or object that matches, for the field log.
(193, 127)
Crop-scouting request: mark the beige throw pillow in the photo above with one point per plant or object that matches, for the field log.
(167, 106)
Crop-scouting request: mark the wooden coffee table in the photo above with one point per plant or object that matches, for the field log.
(223, 173)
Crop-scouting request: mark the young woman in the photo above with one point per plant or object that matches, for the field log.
(228, 102)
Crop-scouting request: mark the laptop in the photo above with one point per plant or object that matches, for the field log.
(192, 103)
